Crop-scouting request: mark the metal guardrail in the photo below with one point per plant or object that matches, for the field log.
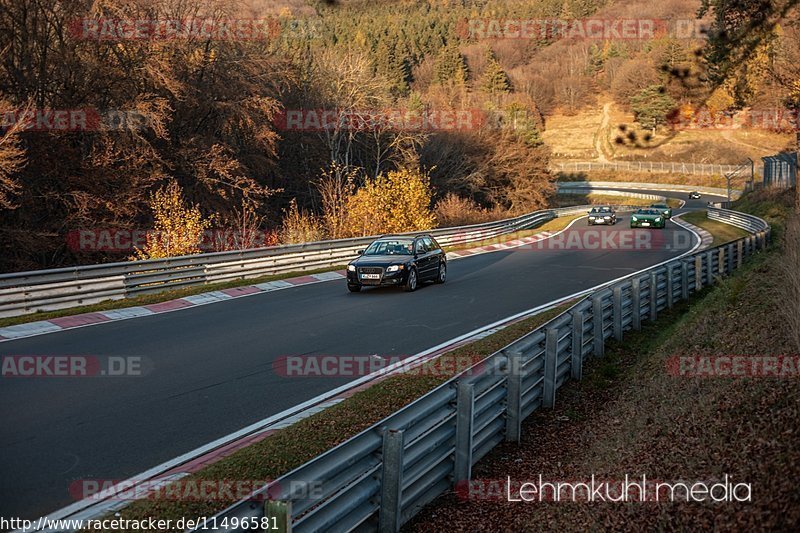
(606, 186)
(744, 221)
(565, 188)
(48, 290)
(382, 477)
(703, 169)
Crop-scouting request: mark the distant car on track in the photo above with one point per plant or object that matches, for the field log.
(398, 261)
(602, 214)
(664, 209)
(648, 218)
(694, 195)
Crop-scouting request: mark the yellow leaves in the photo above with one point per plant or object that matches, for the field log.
(396, 202)
(299, 226)
(720, 100)
(178, 228)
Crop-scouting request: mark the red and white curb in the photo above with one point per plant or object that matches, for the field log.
(54, 325)
(706, 239)
(89, 319)
(510, 245)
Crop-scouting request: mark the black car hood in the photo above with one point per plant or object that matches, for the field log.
(382, 260)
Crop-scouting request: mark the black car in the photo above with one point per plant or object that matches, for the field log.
(400, 261)
(694, 195)
(603, 214)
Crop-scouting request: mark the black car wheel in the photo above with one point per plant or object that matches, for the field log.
(442, 277)
(353, 288)
(411, 283)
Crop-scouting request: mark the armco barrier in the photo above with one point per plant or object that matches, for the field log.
(611, 185)
(564, 188)
(703, 169)
(48, 290)
(383, 476)
(734, 218)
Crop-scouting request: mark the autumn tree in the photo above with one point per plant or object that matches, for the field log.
(394, 202)
(300, 225)
(336, 187)
(12, 160)
(178, 226)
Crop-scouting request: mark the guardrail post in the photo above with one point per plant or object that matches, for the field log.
(684, 280)
(598, 342)
(636, 303)
(465, 407)
(670, 285)
(739, 253)
(279, 514)
(721, 259)
(653, 296)
(514, 400)
(729, 266)
(617, 318)
(698, 273)
(576, 354)
(550, 367)
(391, 481)
(710, 267)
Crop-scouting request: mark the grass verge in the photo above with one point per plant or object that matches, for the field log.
(566, 200)
(721, 232)
(297, 444)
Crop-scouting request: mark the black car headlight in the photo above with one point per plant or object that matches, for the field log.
(351, 268)
(395, 268)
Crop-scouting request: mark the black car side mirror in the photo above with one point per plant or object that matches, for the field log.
(360, 252)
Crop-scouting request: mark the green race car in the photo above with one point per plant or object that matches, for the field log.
(664, 208)
(648, 218)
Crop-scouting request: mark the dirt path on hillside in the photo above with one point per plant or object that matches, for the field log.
(602, 133)
(728, 136)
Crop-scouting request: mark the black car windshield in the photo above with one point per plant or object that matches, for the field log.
(391, 247)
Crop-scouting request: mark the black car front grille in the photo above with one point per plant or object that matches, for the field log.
(370, 270)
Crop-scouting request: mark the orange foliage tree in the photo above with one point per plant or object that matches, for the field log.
(395, 202)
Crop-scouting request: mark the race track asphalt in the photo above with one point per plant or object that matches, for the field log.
(212, 366)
